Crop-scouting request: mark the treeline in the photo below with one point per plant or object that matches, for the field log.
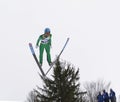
(64, 86)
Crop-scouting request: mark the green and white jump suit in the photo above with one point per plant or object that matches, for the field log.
(45, 44)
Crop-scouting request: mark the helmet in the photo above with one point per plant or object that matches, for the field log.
(46, 30)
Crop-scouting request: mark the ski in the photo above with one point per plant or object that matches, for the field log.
(58, 56)
(34, 55)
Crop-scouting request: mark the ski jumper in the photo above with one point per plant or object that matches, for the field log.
(45, 44)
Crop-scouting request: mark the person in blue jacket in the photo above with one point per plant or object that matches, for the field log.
(112, 96)
(100, 97)
(105, 96)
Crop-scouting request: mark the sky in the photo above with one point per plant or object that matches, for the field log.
(93, 27)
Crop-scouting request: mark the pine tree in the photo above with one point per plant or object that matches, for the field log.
(64, 85)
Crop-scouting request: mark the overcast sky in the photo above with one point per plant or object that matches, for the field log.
(92, 25)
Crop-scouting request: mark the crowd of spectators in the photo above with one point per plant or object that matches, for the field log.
(105, 97)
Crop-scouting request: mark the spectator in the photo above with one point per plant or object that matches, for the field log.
(100, 97)
(112, 96)
(105, 96)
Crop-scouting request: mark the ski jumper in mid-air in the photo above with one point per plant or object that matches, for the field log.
(45, 43)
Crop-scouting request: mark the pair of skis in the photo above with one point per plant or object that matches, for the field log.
(34, 55)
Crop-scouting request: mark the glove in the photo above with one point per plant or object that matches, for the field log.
(36, 46)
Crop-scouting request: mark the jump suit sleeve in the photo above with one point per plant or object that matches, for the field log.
(50, 39)
(37, 43)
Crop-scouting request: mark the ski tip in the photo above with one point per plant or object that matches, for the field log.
(31, 48)
(68, 38)
(30, 44)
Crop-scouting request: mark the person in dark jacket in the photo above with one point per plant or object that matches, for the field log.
(105, 96)
(100, 97)
(112, 96)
